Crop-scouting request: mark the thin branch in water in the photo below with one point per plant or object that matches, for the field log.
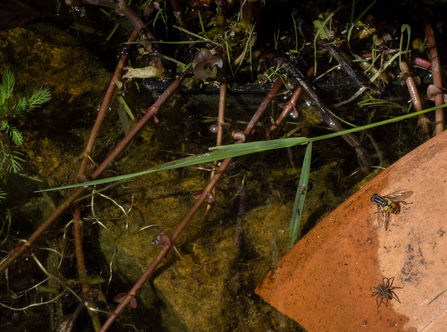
(346, 67)
(129, 297)
(328, 118)
(120, 147)
(436, 70)
(415, 98)
(290, 105)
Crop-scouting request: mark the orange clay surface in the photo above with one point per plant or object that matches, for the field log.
(326, 281)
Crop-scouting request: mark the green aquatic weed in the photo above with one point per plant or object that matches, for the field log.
(9, 159)
(25, 104)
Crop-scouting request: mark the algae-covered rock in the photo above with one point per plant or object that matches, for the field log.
(206, 283)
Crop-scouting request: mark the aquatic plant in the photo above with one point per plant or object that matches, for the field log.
(206, 66)
(9, 159)
(25, 104)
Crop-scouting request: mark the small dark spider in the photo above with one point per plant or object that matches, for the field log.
(385, 291)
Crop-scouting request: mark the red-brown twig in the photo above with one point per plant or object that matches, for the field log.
(417, 103)
(254, 120)
(167, 245)
(436, 70)
(82, 269)
(286, 110)
(77, 222)
(61, 208)
(221, 114)
(101, 114)
(220, 128)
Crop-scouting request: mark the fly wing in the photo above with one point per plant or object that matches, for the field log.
(400, 195)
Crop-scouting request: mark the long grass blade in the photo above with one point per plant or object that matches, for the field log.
(236, 150)
(300, 197)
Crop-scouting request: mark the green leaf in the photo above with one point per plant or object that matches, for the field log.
(14, 165)
(320, 32)
(15, 134)
(39, 97)
(19, 107)
(2, 194)
(235, 150)
(8, 83)
(359, 18)
(301, 191)
(126, 107)
(6, 91)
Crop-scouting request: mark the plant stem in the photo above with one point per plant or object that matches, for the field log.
(175, 235)
(62, 207)
(436, 70)
(254, 120)
(417, 103)
(82, 269)
(286, 110)
(220, 124)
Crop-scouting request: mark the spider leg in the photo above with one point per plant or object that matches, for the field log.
(390, 283)
(377, 301)
(394, 295)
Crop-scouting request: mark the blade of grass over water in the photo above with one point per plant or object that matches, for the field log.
(236, 150)
(300, 197)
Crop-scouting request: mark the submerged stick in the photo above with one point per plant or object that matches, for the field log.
(416, 99)
(290, 105)
(327, 117)
(436, 70)
(346, 67)
(167, 245)
(63, 206)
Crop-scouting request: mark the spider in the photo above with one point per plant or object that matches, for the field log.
(385, 291)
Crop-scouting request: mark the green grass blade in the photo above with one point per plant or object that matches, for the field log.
(126, 107)
(236, 150)
(300, 197)
(228, 152)
(112, 32)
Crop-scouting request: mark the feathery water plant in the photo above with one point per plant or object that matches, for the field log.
(25, 104)
(9, 161)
